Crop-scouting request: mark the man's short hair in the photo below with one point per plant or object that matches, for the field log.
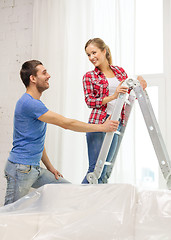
(29, 68)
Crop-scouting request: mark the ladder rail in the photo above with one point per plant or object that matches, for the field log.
(151, 124)
(128, 108)
(93, 177)
(154, 131)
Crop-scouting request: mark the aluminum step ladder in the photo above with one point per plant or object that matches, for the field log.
(151, 124)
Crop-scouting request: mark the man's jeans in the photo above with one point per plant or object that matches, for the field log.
(20, 178)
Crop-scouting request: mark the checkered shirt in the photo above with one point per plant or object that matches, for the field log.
(96, 87)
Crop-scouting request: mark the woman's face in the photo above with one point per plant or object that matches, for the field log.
(95, 55)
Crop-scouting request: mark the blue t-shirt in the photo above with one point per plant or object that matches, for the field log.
(29, 132)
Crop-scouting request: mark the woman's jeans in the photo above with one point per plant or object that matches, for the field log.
(20, 179)
(94, 143)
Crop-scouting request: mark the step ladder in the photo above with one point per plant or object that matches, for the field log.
(136, 91)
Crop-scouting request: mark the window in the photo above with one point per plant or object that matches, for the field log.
(149, 37)
(149, 63)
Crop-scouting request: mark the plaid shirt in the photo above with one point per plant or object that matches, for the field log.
(96, 88)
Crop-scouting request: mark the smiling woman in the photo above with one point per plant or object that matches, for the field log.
(101, 88)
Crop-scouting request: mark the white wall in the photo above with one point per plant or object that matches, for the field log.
(15, 48)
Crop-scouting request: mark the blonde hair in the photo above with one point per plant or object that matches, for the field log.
(98, 42)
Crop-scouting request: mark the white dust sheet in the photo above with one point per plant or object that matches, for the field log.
(88, 212)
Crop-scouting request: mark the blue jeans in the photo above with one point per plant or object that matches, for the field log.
(94, 143)
(20, 178)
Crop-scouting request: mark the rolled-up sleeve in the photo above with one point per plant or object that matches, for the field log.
(91, 100)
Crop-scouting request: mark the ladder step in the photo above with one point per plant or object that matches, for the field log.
(107, 163)
(117, 132)
(127, 102)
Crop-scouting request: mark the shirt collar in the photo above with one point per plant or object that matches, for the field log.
(98, 72)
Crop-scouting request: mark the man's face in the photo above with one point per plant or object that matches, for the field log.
(42, 78)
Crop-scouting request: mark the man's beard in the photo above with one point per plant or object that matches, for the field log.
(41, 88)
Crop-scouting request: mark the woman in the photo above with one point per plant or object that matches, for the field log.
(101, 88)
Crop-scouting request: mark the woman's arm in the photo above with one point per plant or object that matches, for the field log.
(119, 89)
(122, 89)
(142, 82)
(91, 100)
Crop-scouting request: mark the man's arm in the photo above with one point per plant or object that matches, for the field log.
(78, 126)
(49, 165)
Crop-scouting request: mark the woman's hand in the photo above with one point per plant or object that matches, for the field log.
(142, 82)
(120, 89)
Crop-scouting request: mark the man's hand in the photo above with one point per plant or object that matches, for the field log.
(56, 173)
(142, 82)
(49, 166)
(110, 125)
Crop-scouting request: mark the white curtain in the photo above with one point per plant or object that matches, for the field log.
(60, 30)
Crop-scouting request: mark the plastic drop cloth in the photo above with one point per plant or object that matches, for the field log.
(84, 212)
(153, 215)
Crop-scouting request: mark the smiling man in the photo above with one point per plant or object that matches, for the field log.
(31, 116)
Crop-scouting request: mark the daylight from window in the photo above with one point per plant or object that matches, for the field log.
(149, 37)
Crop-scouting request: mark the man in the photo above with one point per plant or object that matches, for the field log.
(31, 116)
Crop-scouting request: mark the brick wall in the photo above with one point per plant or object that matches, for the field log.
(15, 48)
